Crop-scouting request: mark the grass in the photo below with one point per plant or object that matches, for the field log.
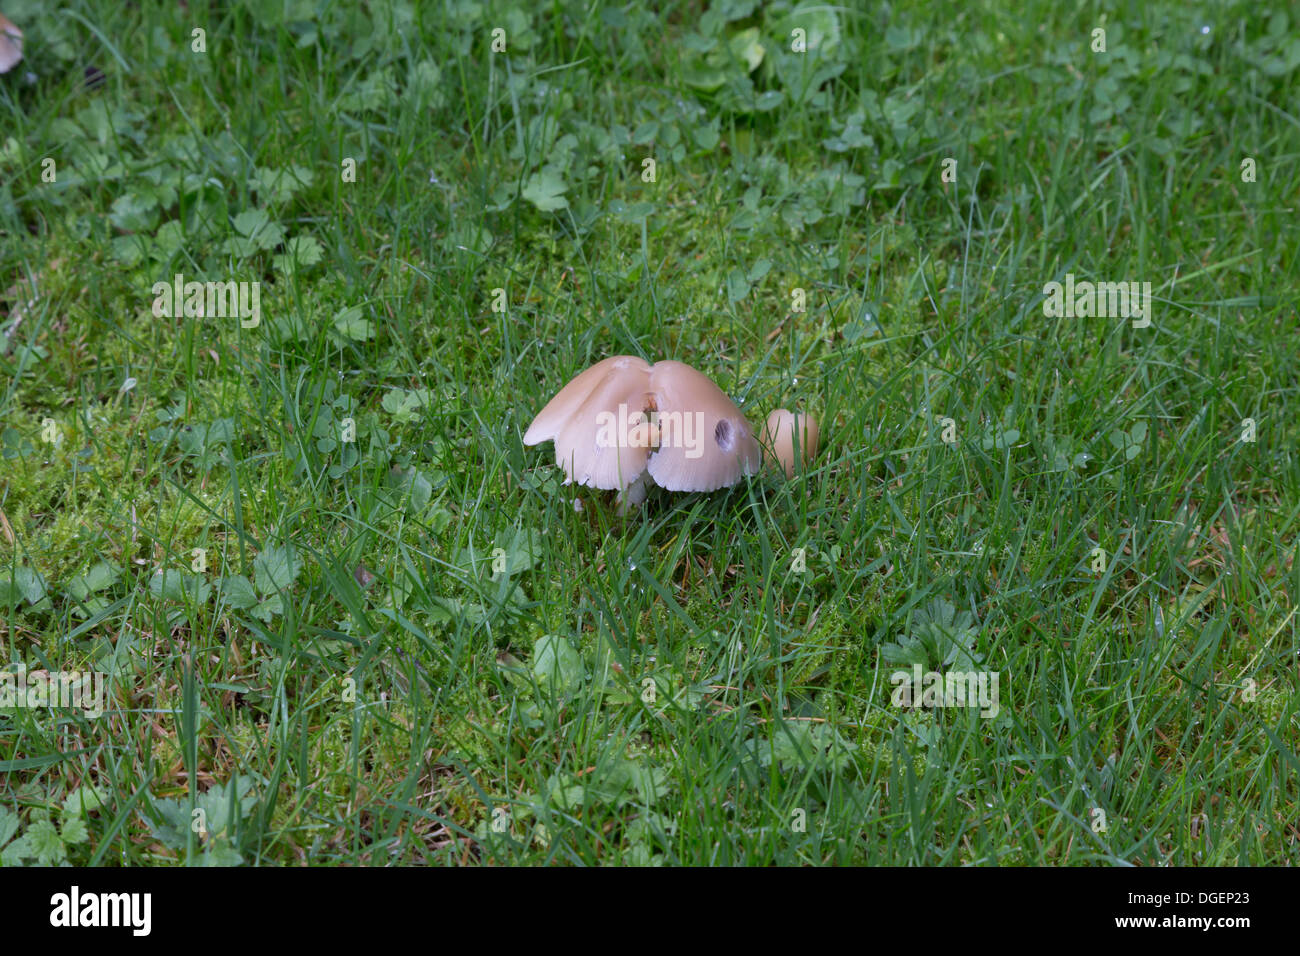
(345, 617)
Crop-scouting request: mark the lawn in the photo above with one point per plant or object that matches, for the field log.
(340, 614)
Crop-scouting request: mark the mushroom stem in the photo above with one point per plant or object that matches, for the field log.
(635, 493)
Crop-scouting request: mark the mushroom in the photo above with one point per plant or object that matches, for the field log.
(787, 431)
(11, 44)
(627, 424)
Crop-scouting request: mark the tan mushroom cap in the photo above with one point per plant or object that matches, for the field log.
(700, 441)
(792, 438)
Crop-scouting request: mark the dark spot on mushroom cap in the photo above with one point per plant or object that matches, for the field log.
(724, 435)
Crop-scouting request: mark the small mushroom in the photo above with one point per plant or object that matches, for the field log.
(792, 439)
(626, 424)
(11, 44)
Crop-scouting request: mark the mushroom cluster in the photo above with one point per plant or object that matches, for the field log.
(625, 424)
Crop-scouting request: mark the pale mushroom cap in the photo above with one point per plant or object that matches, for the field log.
(787, 433)
(11, 45)
(699, 441)
(567, 400)
(579, 421)
(705, 442)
